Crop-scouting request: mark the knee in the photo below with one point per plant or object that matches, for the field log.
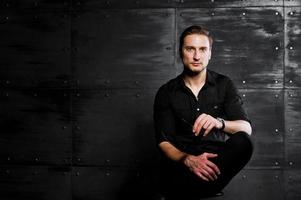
(242, 142)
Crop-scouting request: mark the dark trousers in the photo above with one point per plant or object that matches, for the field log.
(178, 182)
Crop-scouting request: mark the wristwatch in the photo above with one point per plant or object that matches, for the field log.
(221, 120)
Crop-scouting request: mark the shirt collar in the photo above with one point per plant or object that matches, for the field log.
(209, 79)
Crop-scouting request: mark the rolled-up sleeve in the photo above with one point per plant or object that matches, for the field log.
(234, 104)
(163, 117)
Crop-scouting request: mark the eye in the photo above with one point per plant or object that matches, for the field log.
(203, 49)
(189, 49)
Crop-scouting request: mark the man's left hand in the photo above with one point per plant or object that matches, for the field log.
(205, 122)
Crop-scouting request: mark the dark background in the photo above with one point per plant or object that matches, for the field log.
(78, 79)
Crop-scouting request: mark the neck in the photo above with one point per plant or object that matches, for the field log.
(195, 79)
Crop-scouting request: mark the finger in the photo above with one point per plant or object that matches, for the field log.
(201, 176)
(209, 129)
(197, 121)
(214, 167)
(210, 155)
(200, 125)
(208, 173)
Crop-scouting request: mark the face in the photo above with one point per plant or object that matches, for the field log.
(196, 52)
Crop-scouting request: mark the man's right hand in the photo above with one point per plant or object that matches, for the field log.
(202, 166)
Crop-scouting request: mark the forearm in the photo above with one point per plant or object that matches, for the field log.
(172, 152)
(237, 125)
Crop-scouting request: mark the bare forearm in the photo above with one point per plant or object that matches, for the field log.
(236, 126)
(172, 152)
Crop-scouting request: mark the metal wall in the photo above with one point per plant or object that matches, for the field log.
(78, 79)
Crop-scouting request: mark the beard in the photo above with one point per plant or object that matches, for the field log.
(188, 71)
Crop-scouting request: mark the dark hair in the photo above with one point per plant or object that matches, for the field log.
(194, 30)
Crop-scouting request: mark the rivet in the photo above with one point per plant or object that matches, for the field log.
(291, 48)
(244, 95)
(212, 1)
(276, 177)
(291, 13)
(276, 0)
(276, 13)
(276, 163)
(276, 95)
(276, 130)
(290, 95)
(212, 13)
(243, 82)
(290, 129)
(290, 163)
(290, 81)
(77, 173)
(244, 176)
(243, 13)
(276, 81)
(276, 48)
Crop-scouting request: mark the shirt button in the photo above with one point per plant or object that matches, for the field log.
(198, 109)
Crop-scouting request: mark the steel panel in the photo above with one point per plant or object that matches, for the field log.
(292, 3)
(293, 43)
(123, 48)
(102, 184)
(35, 4)
(35, 127)
(34, 182)
(37, 48)
(175, 3)
(256, 184)
(114, 127)
(293, 128)
(265, 110)
(292, 184)
(248, 43)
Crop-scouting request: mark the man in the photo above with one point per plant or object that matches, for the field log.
(201, 128)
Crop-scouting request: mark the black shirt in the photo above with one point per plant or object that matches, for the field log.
(176, 109)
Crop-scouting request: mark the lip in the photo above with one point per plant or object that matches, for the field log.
(195, 64)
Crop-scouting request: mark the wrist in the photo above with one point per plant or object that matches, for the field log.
(222, 123)
(184, 158)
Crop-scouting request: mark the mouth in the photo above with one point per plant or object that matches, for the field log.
(196, 64)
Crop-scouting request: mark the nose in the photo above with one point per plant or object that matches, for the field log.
(197, 55)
